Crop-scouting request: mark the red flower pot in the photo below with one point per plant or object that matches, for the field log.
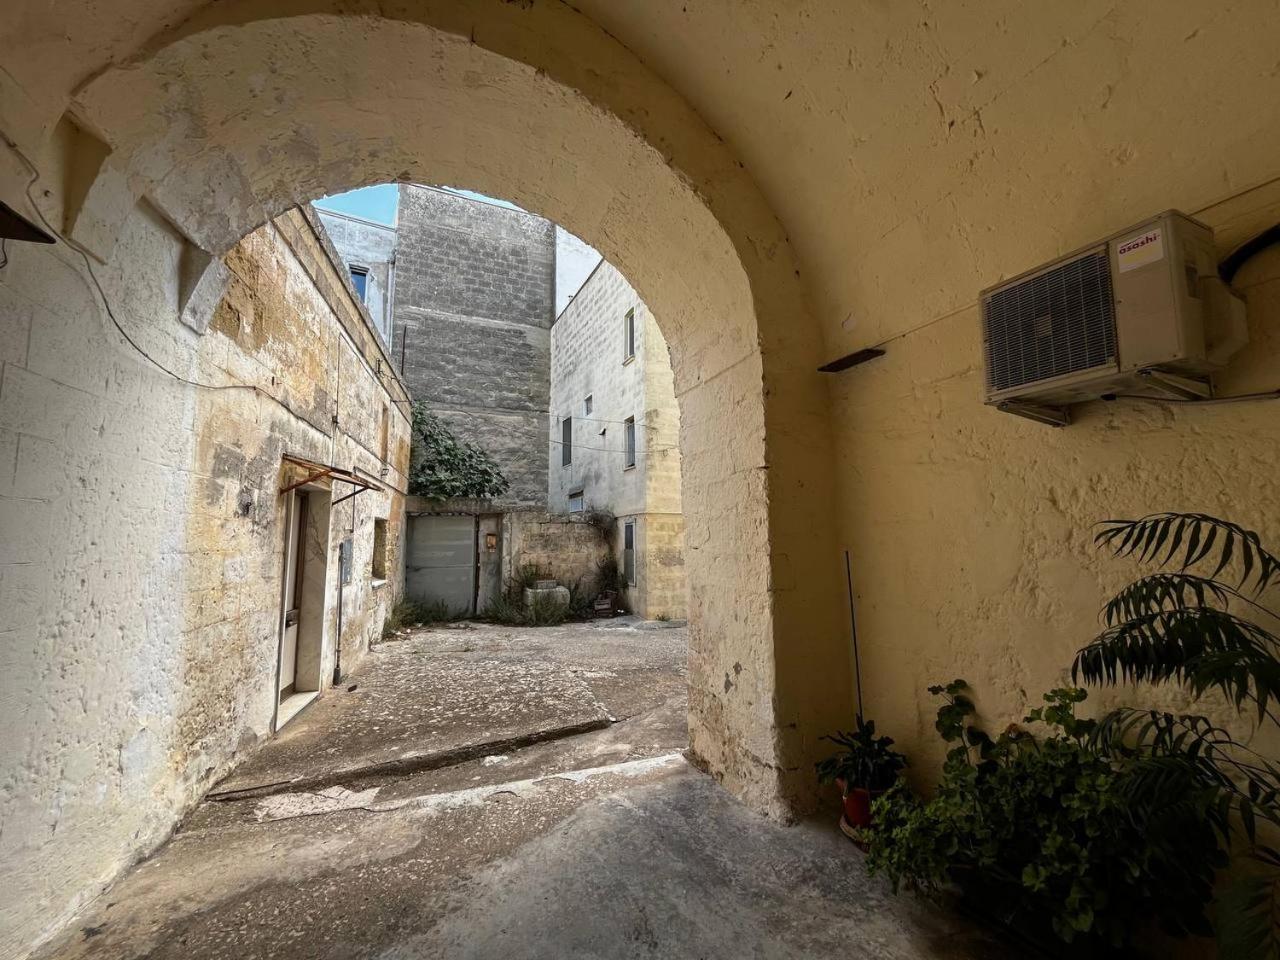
(857, 804)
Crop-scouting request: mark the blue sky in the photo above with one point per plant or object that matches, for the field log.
(575, 259)
(379, 203)
(371, 203)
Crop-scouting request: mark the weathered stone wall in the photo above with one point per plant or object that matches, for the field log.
(562, 548)
(588, 359)
(663, 588)
(475, 287)
(666, 590)
(371, 246)
(156, 636)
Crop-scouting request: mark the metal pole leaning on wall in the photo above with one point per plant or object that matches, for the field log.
(853, 633)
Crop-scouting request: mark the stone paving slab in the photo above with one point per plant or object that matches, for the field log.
(605, 846)
(647, 859)
(415, 707)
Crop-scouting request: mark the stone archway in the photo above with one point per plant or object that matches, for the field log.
(228, 120)
(247, 109)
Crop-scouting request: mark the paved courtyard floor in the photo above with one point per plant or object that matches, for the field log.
(489, 792)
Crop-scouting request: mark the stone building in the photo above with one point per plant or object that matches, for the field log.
(615, 435)
(474, 295)
(368, 251)
(240, 539)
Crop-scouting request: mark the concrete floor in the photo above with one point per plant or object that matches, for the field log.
(596, 844)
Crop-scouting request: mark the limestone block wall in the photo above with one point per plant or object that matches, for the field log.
(663, 588)
(475, 287)
(661, 425)
(564, 549)
(588, 359)
(140, 577)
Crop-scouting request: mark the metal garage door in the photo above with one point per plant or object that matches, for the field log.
(441, 562)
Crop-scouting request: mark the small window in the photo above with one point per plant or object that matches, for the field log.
(379, 568)
(566, 441)
(630, 424)
(359, 280)
(586, 406)
(629, 552)
(575, 502)
(629, 335)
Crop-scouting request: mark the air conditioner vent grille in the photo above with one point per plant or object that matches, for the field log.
(1059, 322)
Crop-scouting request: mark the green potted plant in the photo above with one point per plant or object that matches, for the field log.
(864, 769)
(1093, 831)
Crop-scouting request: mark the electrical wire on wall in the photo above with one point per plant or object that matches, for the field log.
(110, 312)
(141, 351)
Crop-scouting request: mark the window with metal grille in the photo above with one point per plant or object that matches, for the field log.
(1060, 322)
(629, 552)
(576, 502)
(566, 441)
(378, 569)
(630, 425)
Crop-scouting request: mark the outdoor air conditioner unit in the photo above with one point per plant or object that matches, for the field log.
(1142, 311)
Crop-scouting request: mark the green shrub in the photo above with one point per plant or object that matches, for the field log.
(1045, 827)
(1105, 822)
(542, 612)
(415, 613)
(501, 609)
(608, 575)
(442, 467)
(581, 602)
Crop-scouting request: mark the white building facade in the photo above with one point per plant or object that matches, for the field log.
(615, 430)
(368, 251)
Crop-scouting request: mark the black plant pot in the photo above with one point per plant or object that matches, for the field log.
(1031, 932)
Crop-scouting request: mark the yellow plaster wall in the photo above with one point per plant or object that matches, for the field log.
(971, 530)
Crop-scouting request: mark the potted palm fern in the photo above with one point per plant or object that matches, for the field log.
(1101, 828)
(865, 767)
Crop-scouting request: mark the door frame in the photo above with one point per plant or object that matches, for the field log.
(317, 502)
(290, 505)
(294, 561)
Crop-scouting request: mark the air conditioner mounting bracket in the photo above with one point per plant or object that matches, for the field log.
(1050, 416)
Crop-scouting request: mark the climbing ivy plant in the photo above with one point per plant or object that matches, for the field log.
(442, 467)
